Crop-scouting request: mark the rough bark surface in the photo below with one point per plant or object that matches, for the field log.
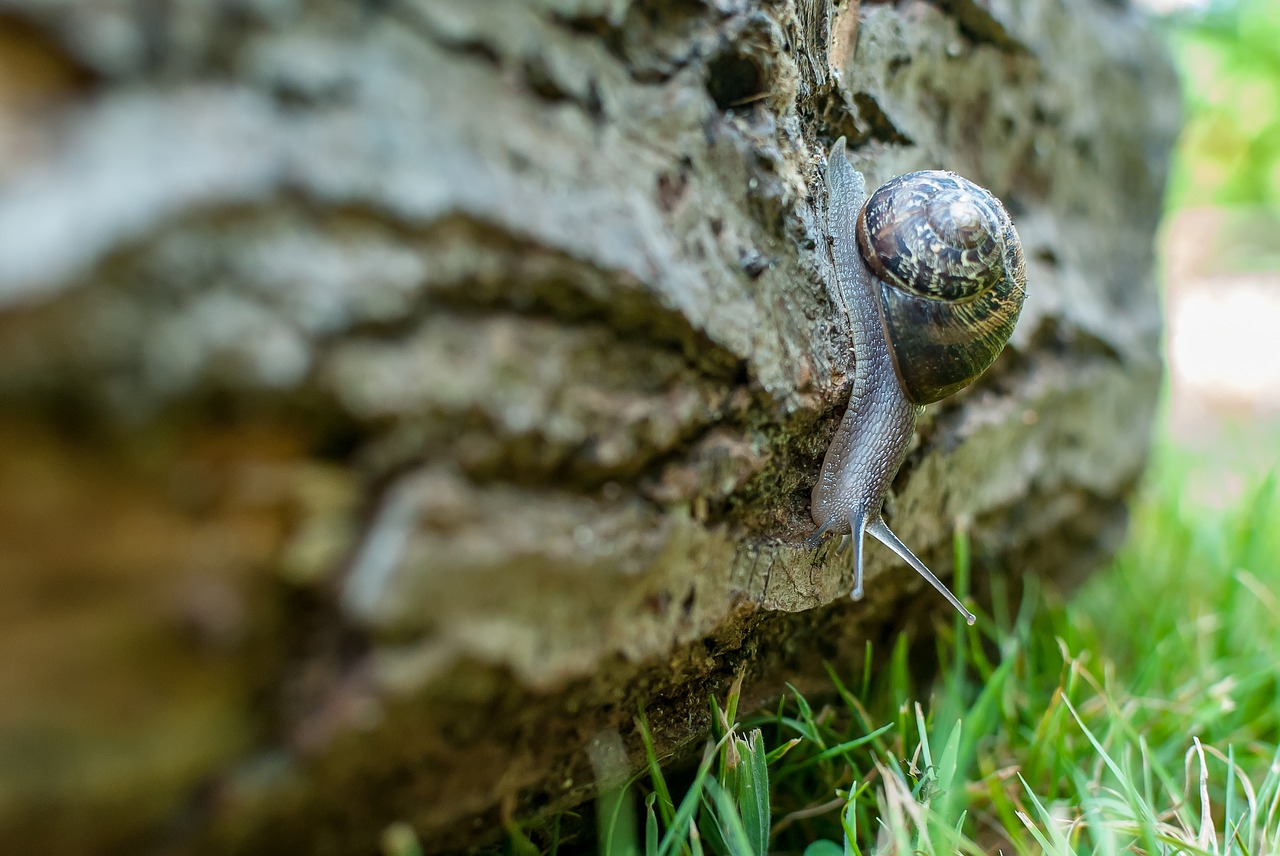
(398, 395)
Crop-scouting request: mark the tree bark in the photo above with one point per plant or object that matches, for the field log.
(398, 396)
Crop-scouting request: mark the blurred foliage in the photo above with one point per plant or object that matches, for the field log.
(1228, 53)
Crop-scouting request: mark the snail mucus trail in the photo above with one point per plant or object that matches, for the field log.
(931, 275)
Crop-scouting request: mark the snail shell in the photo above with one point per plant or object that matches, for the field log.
(932, 291)
(952, 278)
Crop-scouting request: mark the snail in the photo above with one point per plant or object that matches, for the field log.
(931, 274)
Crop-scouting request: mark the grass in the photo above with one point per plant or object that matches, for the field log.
(1141, 717)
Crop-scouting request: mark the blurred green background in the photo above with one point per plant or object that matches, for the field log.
(1220, 246)
(1229, 154)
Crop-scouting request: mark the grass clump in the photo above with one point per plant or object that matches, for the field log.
(1141, 717)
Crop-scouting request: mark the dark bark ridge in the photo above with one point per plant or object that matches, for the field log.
(441, 381)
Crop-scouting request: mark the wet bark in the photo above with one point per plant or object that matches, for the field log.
(397, 396)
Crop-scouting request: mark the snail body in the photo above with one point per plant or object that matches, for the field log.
(931, 275)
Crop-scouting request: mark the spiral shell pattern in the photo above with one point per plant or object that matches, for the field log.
(952, 277)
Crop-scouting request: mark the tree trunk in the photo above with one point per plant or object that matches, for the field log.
(398, 396)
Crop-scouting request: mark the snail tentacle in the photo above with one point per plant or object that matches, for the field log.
(857, 526)
(881, 531)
